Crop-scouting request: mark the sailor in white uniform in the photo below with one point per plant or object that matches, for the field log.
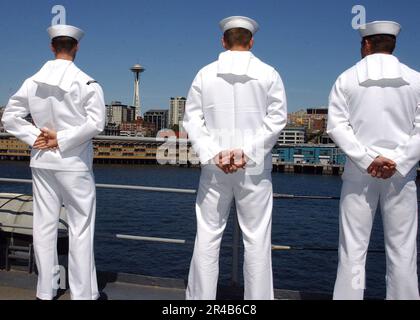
(235, 111)
(374, 117)
(68, 110)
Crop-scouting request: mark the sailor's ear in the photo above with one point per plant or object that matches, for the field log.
(251, 43)
(224, 44)
(367, 44)
(52, 49)
(366, 48)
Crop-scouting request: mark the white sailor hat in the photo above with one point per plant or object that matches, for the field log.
(380, 27)
(62, 30)
(239, 22)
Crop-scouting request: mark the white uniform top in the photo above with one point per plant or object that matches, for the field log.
(374, 110)
(236, 102)
(59, 97)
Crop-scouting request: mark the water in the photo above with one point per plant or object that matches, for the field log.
(295, 222)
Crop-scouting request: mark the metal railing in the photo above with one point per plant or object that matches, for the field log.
(236, 231)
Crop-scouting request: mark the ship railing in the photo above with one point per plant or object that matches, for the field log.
(236, 246)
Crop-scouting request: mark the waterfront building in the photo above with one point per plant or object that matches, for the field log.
(12, 148)
(158, 117)
(309, 154)
(176, 112)
(136, 150)
(138, 128)
(111, 129)
(292, 135)
(117, 113)
(318, 119)
(130, 150)
(313, 119)
(325, 139)
(297, 118)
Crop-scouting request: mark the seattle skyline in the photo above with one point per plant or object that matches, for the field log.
(309, 42)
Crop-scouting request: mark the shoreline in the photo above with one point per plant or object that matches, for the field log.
(286, 168)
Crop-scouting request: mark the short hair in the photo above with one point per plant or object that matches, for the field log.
(64, 44)
(382, 43)
(237, 37)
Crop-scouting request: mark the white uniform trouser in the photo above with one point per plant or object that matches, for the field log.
(398, 202)
(76, 190)
(254, 203)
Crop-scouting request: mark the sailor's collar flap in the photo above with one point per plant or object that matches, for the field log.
(379, 67)
(57, 73)
(238, 63)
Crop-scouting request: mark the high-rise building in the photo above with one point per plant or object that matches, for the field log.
(118, 113)
(158, 117)
(177, 111)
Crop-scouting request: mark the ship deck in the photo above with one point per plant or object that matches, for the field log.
(19, 285)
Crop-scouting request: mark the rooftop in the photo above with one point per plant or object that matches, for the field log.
(156, 110)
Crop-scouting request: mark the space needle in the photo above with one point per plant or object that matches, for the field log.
(137, 69)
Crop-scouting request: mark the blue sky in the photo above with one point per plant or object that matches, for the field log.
(309, 42)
